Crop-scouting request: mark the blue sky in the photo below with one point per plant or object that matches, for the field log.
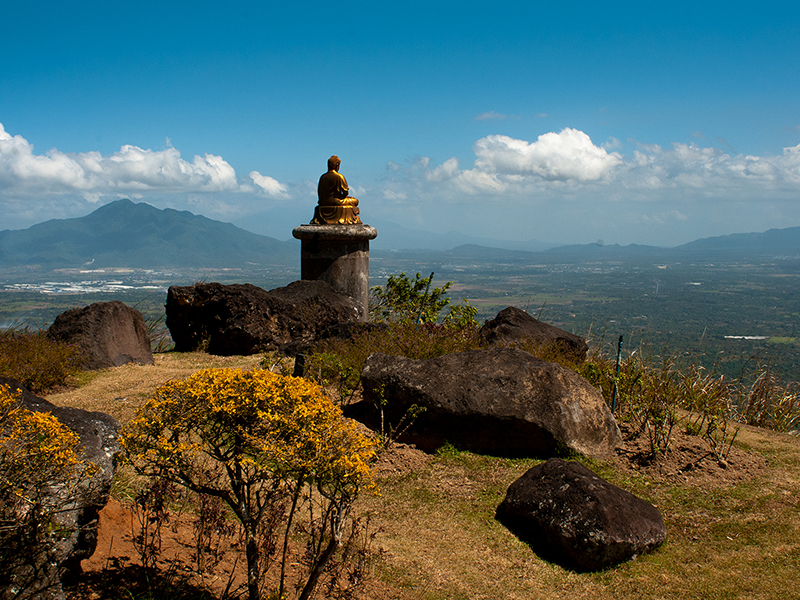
(630, 122)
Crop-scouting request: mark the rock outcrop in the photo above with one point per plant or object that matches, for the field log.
(109, 334)
(78, 521)
(498, 400)
(574, 517)
(244, 319)
(513, 326)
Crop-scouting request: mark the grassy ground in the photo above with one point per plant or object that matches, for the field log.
(732, 532)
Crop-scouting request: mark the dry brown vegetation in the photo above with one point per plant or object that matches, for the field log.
(733, 528)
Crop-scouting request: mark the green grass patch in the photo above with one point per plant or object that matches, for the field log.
(782, 340)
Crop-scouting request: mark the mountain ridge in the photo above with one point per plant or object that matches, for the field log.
(128, 234)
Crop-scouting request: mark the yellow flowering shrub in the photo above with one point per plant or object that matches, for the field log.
(37, 453)
(252, 439)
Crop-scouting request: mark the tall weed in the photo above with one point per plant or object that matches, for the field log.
(770, 403)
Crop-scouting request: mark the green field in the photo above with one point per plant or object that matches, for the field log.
(659, 309)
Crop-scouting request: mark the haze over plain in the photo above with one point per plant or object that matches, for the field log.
(627, 122)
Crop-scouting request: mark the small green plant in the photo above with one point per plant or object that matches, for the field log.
(340, 370)
(36, 361)
(707, 397)
(391, 432)
(157, 331)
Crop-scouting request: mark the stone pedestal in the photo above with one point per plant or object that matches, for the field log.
(338, 254)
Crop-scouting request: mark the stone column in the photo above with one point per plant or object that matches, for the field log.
(338, 254)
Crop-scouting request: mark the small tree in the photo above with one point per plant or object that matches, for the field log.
(403, 300)
(256, 439)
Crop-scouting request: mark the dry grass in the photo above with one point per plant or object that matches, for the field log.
(731, 534)
(121, 390)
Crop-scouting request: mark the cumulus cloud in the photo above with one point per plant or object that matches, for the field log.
(569, 163)
(271, 186)
(446, 170)
(568, 155)
(129, 171)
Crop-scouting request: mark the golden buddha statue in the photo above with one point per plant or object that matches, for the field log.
(335, 206)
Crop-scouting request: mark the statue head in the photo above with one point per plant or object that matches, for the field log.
(334, 163)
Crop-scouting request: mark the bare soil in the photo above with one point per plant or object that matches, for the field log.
(689, 460)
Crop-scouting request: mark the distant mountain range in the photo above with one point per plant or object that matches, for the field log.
(127, 234)
(278, 222)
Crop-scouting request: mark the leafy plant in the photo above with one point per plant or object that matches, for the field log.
(406, 300)
(648, 394)
(257, 440)
(403, 300)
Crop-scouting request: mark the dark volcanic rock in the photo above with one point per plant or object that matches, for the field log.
(109, 334)
(513, 326)
(499, 400)
(572, 516)
(245, 319)
(79, 521)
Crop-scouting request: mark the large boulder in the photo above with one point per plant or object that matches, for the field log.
(77, 519)
(109, 334)
(245, 319)
(577, 519)
(513, 326)
(497, 400)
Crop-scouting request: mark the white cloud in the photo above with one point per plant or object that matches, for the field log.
(445, 171)
(568, 164)
(568, 155)
(129, 171)
(268, 184)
